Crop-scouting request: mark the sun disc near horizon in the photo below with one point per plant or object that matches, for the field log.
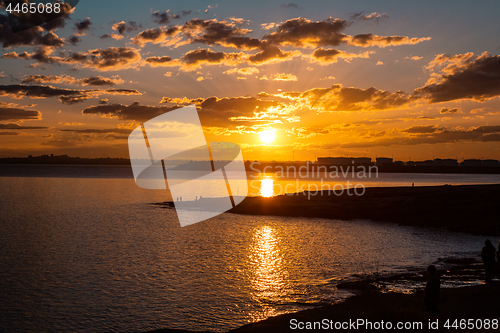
(268, 136)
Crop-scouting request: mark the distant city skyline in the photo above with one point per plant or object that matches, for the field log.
(284, 81)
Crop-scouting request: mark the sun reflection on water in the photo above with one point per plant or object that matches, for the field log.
(269, 273)
(267, 187)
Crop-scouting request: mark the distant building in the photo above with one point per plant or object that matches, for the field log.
(490, 163)
(471, 163)
(345, 160)
(383, 160)
(420, 163)
(445, 162)
(399, 163)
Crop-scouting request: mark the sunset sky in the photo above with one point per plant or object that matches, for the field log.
(409, 80)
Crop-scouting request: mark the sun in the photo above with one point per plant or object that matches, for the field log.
(268, 136)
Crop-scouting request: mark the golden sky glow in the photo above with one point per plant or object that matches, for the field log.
(312, 79)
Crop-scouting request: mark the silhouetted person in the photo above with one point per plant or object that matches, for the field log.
(488, 256)
(431, 299)
(412, 184)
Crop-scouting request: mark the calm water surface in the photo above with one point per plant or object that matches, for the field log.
(92, 255)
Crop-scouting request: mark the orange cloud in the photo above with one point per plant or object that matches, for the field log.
(366, 40)
(328, 56)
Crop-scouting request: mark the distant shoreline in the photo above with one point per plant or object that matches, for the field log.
(269, 167)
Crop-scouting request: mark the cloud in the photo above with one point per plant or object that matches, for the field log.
(225, 111)
(422, 129)
(110, 59)
(434, 135)
(74, 40)
(66, 96)
(328, 56)
(453, 110)
(271, 54)
(338, 98)
(225, 33)
(465, 77)
(82, 26)
(7, 113)
(113, 58)
(302, 32)
(161, 35)
(195, 58)
(99, 131)
(164, 61)
(376, 17)
(280, 77)
(242, 71)
(100, 81)
(92, 81)
(166, 17)
(27, 29)
(31, 37)
(134, 111)
(234, 111)
(366, 40)
(122, 27)
(413, 58)
(291, 5)
(19, 127)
